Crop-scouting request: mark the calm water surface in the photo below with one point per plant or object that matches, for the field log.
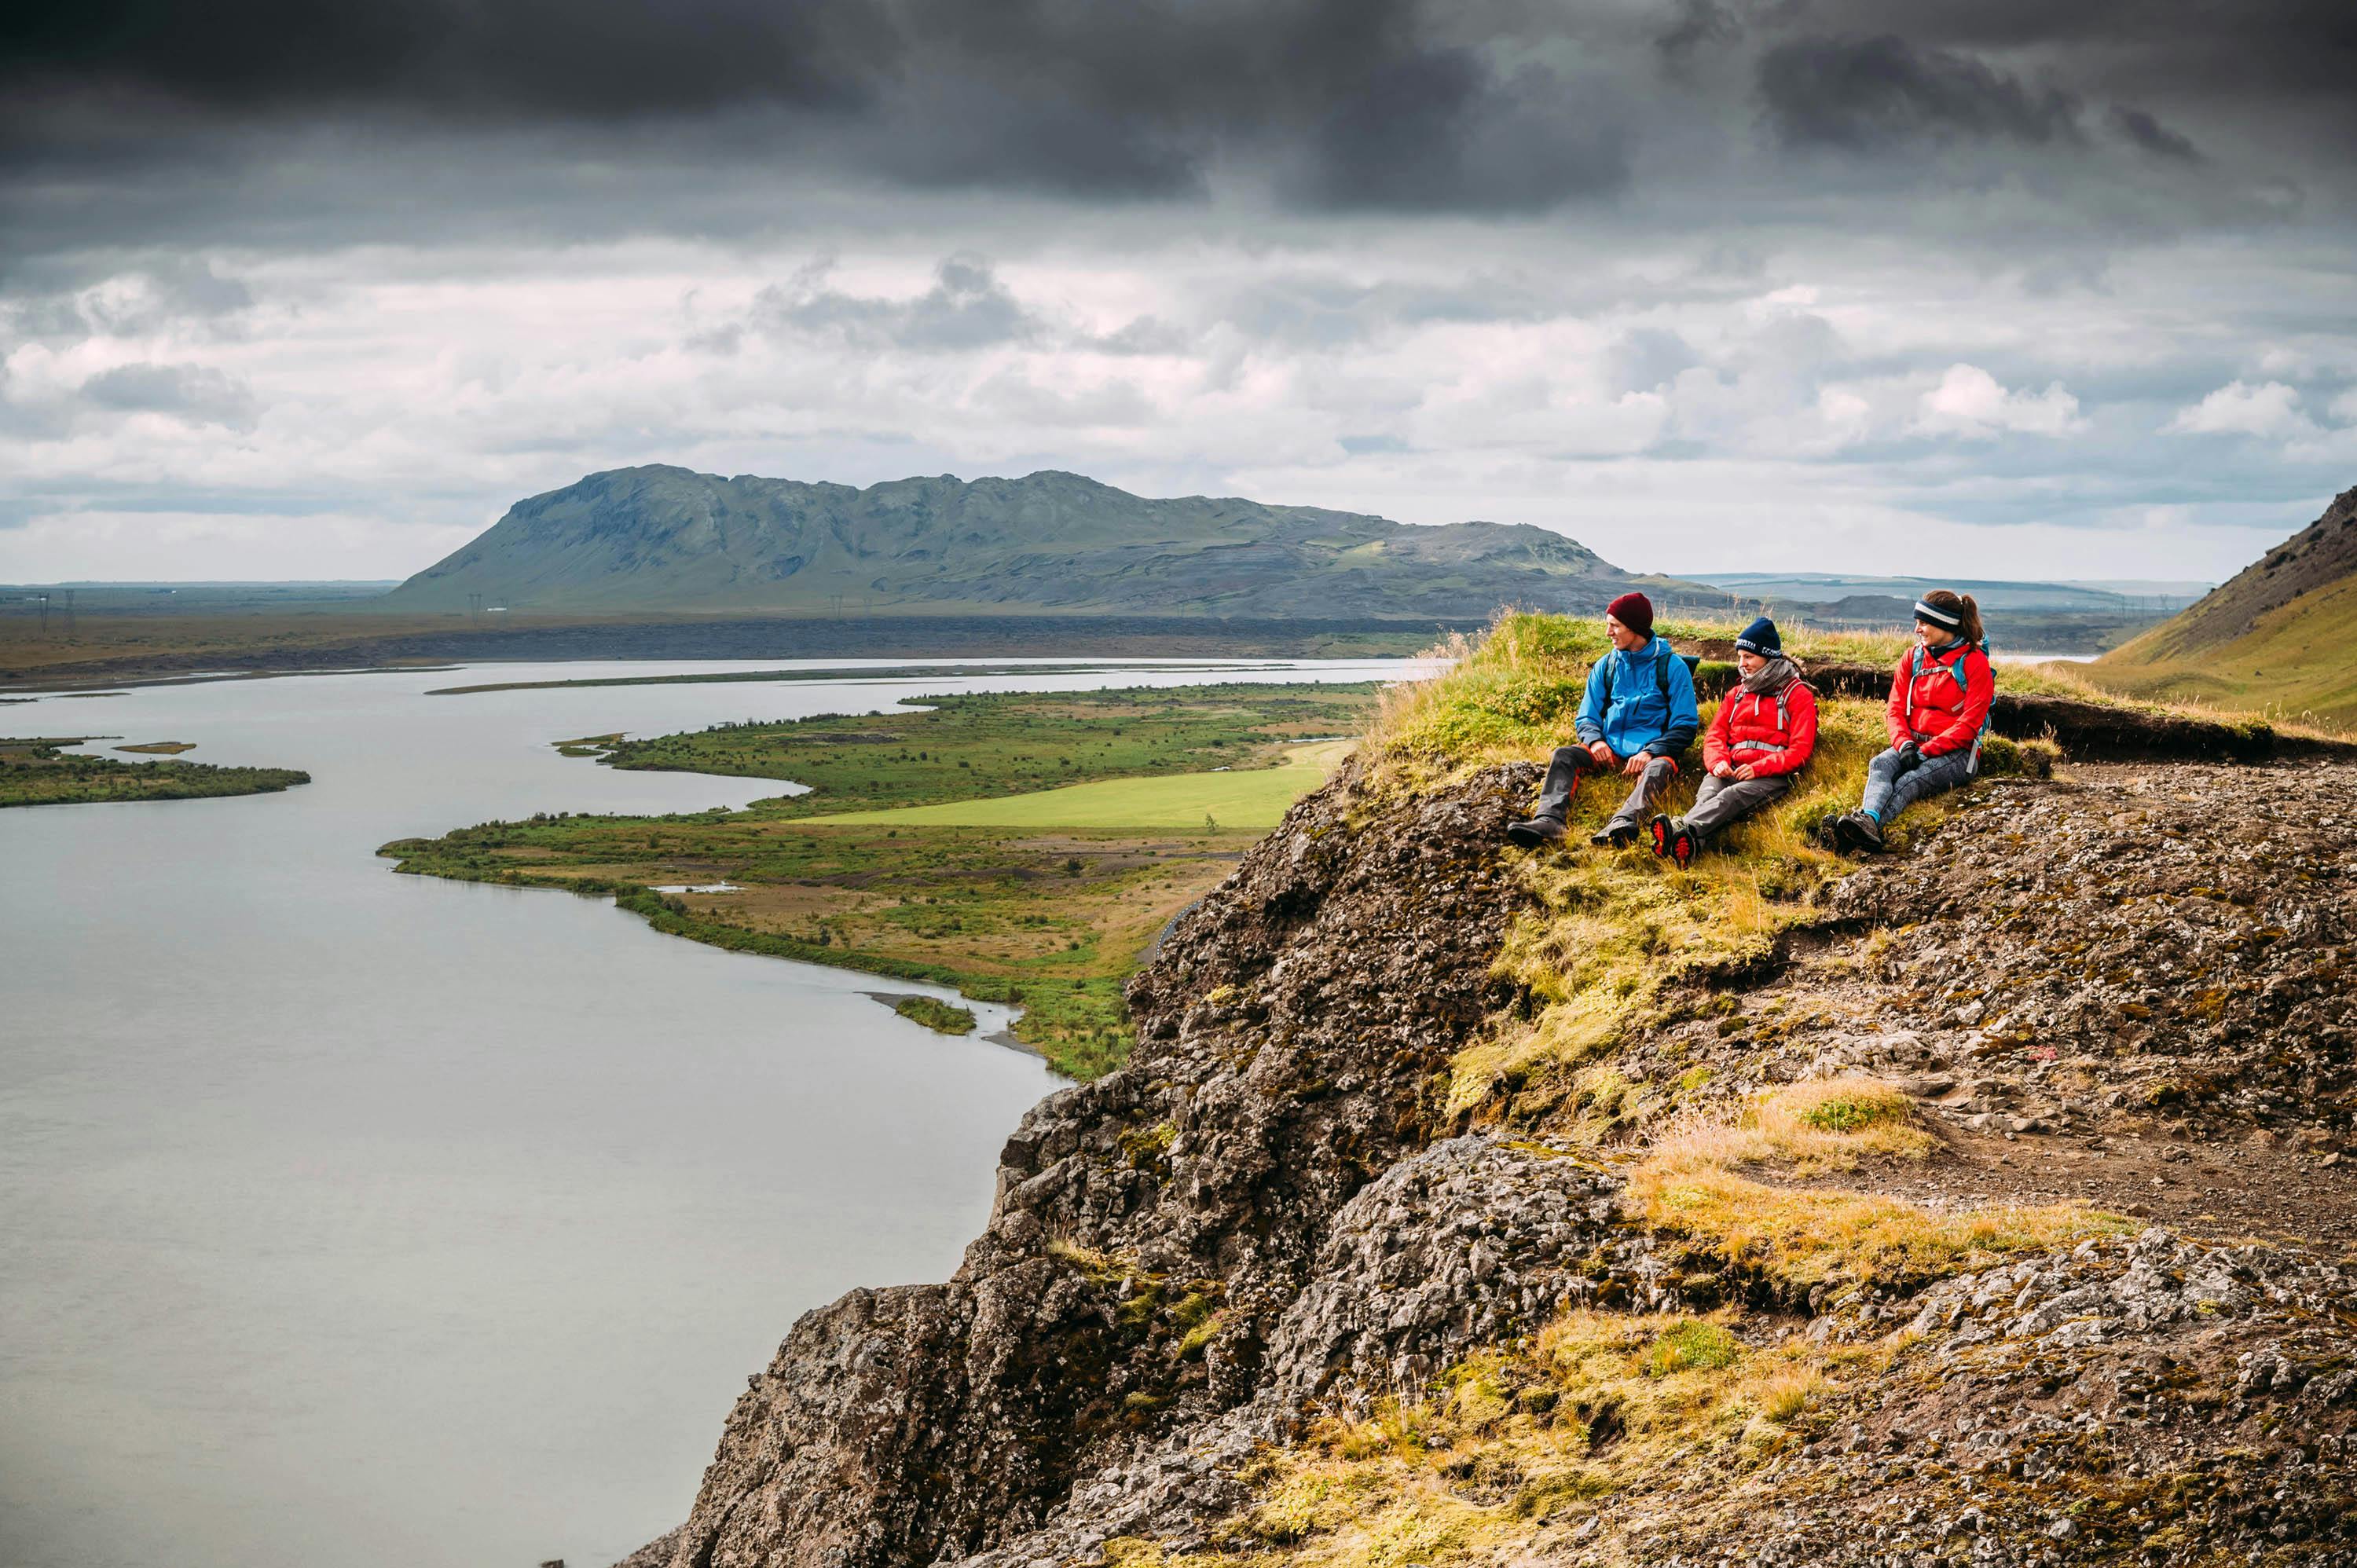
(348, 1218)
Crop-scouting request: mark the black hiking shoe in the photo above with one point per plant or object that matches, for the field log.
(1684, 845)
(1859, 834)
(1613, 836)
(1537, 831)
(1658, 830)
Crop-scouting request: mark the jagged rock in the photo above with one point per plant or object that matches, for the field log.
(1153, 1227)
(1466, 1244)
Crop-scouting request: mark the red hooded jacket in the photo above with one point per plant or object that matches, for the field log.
(1746, 732)
(1931, 706)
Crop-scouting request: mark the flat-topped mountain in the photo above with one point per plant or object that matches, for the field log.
(664, 537)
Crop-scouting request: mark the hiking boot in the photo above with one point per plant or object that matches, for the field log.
(1614, 835)
(1684, 845)
(1859, 834)
(1658, 830)
(1537, 831)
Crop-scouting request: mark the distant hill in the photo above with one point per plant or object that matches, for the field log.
(1831, 588)
(2023, 617)
(2277, 635)
(667, 539)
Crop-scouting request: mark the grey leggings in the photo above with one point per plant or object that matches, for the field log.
(1890, 792)
(1722, 800)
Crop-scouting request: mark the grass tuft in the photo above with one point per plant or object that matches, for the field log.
(1801, 1236)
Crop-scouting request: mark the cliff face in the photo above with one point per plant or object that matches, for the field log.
(1151, 1227)
(1258, 1293)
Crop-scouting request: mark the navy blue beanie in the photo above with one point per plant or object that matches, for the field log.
(1761, 637)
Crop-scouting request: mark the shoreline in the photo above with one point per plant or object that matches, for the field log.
(355, 643)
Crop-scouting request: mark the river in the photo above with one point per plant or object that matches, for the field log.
(351, 1219)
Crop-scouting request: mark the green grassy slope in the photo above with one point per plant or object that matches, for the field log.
(2296, 662)
(2275, 639)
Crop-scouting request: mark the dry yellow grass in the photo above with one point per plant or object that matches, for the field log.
(1805, 1237)
(1811, 1128)
(1511, 1445)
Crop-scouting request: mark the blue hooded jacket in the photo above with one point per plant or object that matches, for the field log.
(1637, 718)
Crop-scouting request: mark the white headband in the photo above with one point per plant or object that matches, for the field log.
(1931, 613)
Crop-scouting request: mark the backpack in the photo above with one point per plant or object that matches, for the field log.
(1955, 670)
(1693, 661)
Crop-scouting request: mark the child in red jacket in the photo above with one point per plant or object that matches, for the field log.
(1763, 734)
(1940, 699)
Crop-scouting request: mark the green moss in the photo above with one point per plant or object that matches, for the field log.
(1693, 1346)
(1847, 1116)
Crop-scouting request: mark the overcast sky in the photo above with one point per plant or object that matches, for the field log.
(2022, 289)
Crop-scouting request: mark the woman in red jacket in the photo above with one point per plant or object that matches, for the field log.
(1763, 734)
(1939, 706)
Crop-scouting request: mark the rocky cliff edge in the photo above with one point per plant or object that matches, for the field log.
(1797, 1268)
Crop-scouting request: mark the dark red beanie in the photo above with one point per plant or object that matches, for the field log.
(1634, 611)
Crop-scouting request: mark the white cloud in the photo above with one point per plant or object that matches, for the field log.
(373, 406)
(2268, 409)
(1970, 402)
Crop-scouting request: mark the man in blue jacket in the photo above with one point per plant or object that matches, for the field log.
(1637, 716)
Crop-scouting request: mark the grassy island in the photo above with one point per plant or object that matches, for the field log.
(940, 1016)
(1023, 847)
(38, 771)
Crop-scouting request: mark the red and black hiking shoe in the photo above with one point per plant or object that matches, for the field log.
(1684, 845)
(1659, 829)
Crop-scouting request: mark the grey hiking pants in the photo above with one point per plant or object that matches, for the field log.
(1890, 792)
(1571, 761)
(1722, 800)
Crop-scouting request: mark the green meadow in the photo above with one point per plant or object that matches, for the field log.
(1023, 847)
(1255, 799)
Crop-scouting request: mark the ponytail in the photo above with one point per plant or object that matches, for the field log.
(1967, 615)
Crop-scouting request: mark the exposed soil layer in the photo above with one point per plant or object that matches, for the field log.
(2092, 731)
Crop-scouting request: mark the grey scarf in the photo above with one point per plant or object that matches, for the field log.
(1771, 677)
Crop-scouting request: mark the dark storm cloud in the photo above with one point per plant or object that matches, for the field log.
(1440, 133)
(1693, 25)
(1356, 101)
(1866, 93)
(511, 58)
(270, 124)
(2142, 129)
